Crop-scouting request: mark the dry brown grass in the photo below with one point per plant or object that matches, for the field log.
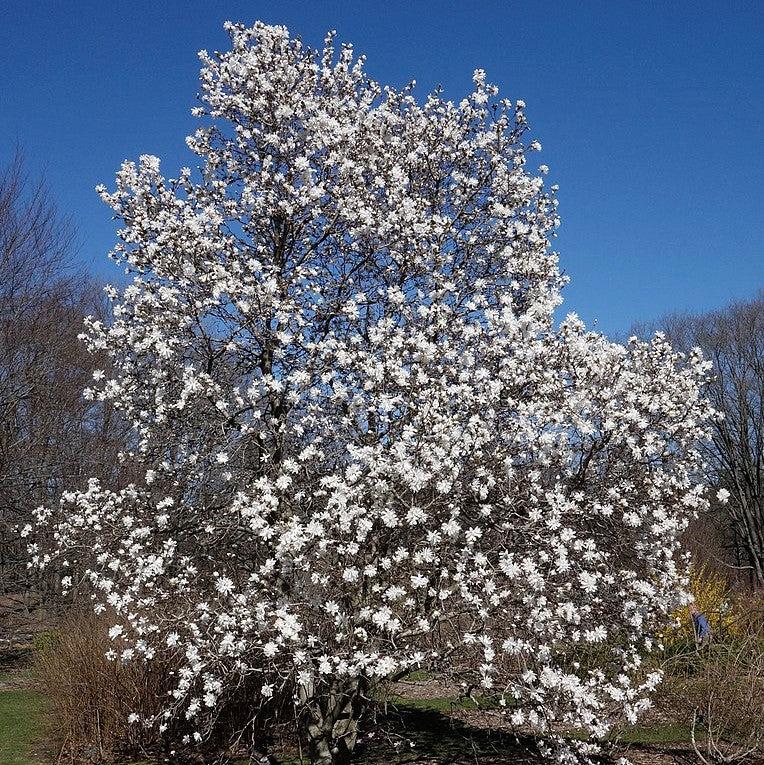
(92, 697)
(717, 691)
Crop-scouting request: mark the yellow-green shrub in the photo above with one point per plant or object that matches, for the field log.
(715, 600)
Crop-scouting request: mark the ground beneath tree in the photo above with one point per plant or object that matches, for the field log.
(463, 738)
(427, 723)
(446, 728)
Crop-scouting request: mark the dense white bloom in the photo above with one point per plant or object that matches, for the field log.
(359, 429)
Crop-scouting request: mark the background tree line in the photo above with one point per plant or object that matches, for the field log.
(50, 436)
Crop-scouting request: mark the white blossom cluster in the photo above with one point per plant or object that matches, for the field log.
(361, 444)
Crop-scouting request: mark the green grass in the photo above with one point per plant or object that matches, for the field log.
(419, 674)
(664, 734)
(20, 720)
(434, 704)
(669, 733)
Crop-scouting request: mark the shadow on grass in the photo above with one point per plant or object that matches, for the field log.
(427, 735)
(440, 739)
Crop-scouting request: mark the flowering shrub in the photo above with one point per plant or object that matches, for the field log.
(365, 448)
(715, 599)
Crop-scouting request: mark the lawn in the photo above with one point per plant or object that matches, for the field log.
(21, 714)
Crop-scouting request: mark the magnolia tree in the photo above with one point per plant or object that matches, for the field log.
(365, 447)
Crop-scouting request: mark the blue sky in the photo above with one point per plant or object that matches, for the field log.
(651, 116)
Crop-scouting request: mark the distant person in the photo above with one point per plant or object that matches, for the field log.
(700, 625)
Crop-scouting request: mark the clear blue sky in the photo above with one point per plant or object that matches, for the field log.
(651, 116)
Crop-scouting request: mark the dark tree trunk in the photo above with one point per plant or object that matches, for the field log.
(335, 710)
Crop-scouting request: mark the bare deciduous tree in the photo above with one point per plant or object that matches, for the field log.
(733, 338)
(49, 434)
